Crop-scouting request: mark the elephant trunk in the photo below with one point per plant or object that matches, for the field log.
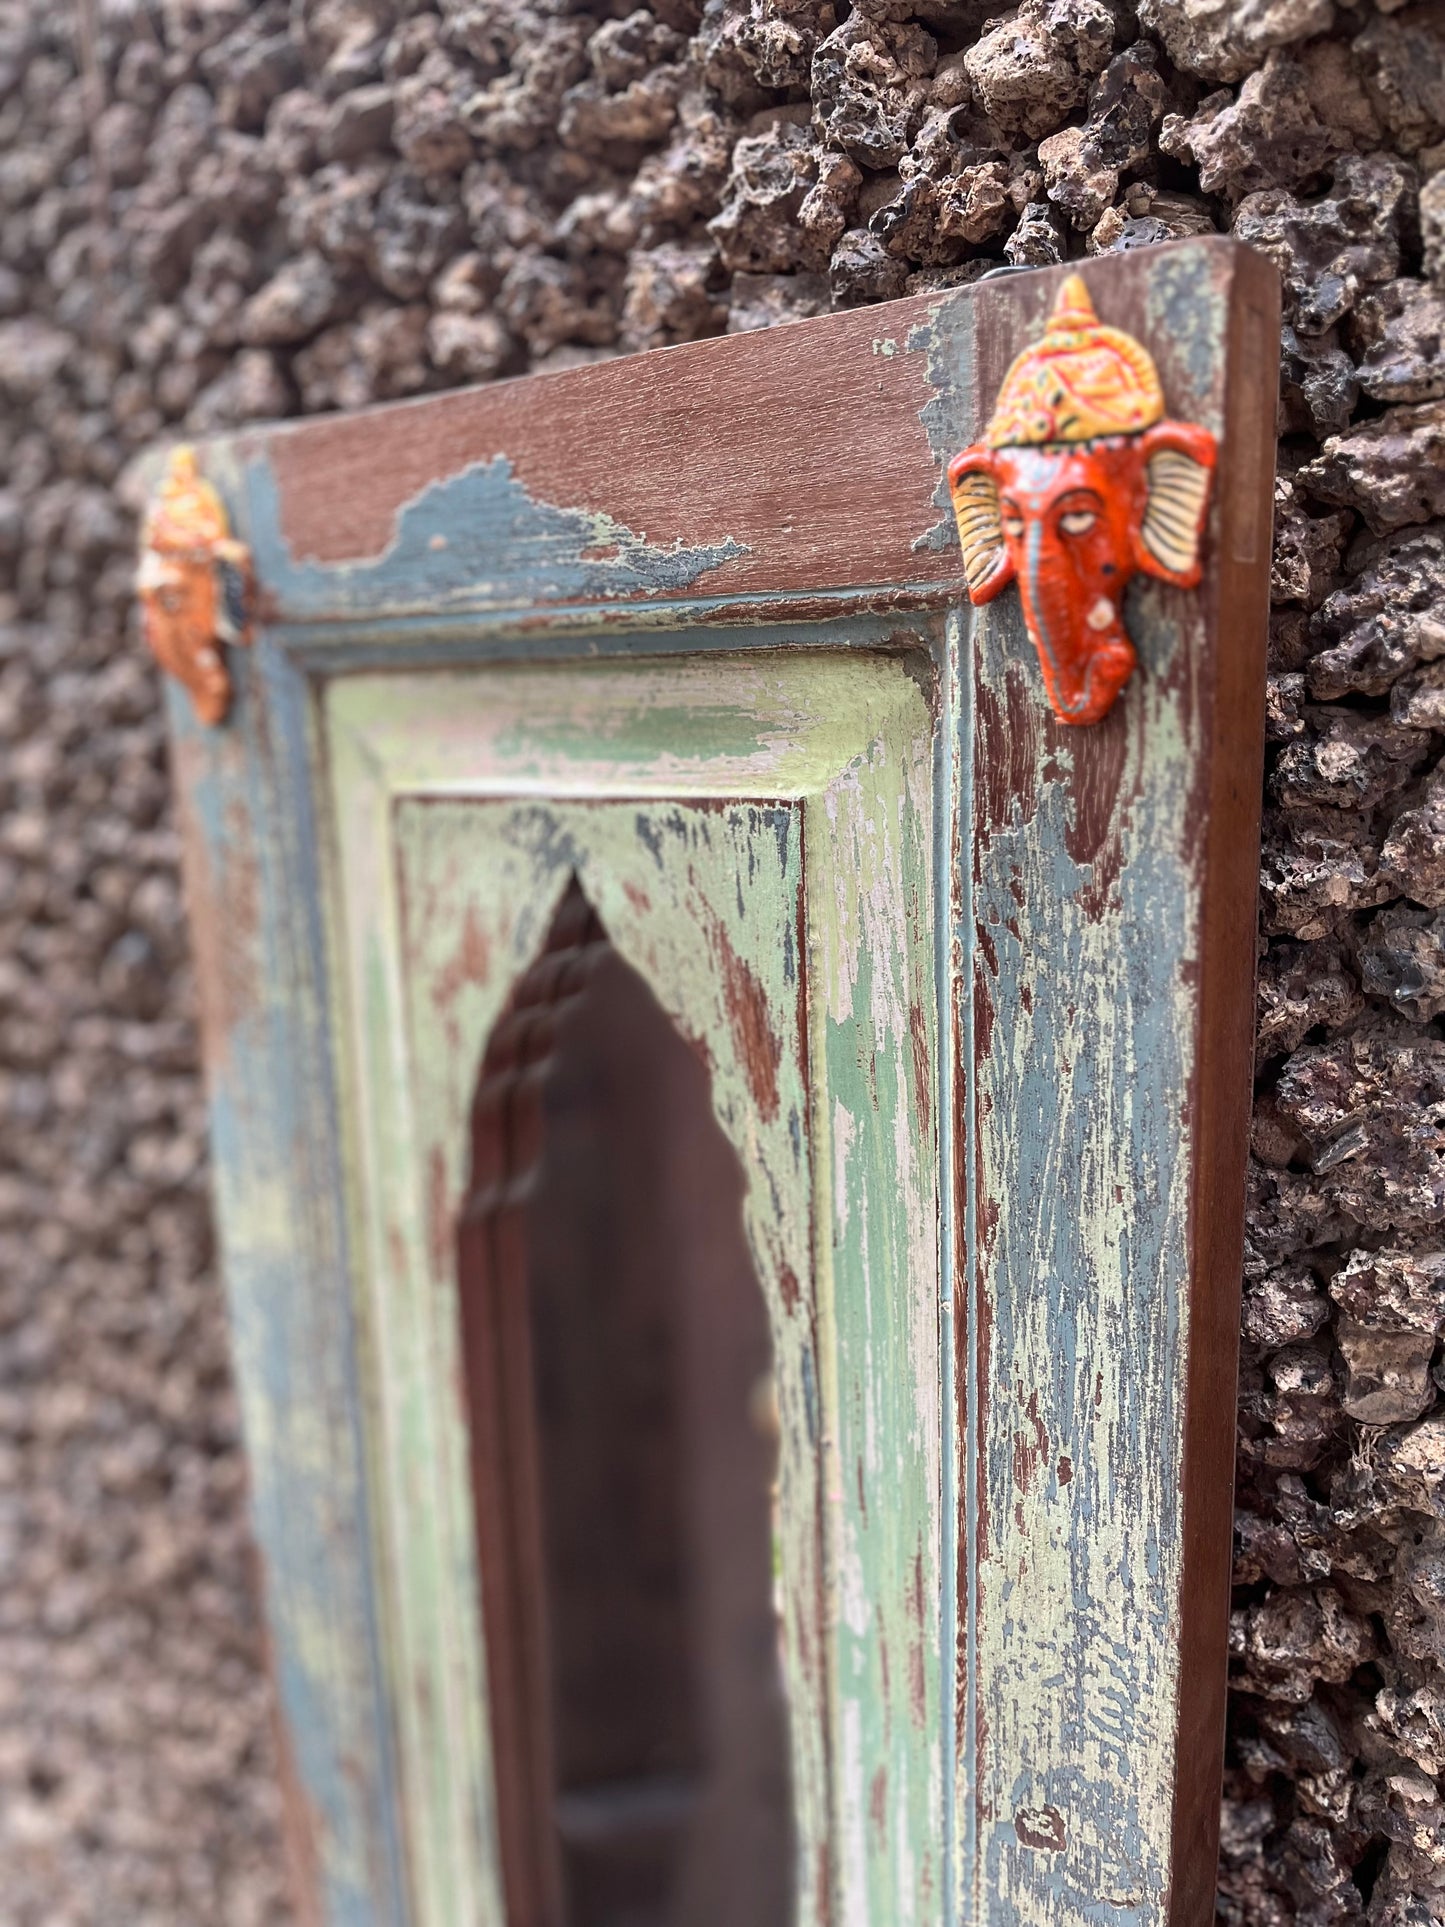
(1078, 630)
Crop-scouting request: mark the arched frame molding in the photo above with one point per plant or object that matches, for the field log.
(756, 834)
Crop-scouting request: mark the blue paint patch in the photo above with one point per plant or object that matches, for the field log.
(810, 1395)
(475, 540)
(1186, 312)
(537, 831)
(277, 1175)
(953, 804)
(647, 835)
(951, 414)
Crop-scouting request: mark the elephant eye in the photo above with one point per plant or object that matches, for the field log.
(1013, 522)
(1078, 521)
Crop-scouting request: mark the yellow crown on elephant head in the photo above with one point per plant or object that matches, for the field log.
(1080, 382)
(186, 518)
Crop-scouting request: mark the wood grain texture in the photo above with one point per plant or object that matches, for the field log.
(770, 443)
(250, 867)
(1223, 1074)
(744, 476)
(464, 806)
(799, 468)
(1110, 938)
(649, 622)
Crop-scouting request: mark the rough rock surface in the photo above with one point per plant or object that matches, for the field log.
(212, 210)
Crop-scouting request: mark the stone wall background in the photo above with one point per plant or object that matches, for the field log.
(214, 210)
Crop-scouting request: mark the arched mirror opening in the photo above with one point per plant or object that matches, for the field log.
(624, 1463)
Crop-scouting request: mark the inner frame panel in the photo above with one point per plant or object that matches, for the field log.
(683, 796)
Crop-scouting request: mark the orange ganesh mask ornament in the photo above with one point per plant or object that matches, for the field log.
(194, 584)
(1078, 483)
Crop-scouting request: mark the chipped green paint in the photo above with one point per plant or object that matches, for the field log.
(994, 979)
(463, 805)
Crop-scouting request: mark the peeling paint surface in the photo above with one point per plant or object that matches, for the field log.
(1081, 947)
(756, 838)
(475, 538)
(246, 824)
(911, 928)
(687, 448)
(1083, 1156)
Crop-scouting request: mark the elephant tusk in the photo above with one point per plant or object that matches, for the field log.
(1102, 615)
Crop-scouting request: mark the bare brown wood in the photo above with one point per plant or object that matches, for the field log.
(758, 421)
(1222, 1088)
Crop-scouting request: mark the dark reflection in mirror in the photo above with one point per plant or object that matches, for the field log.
(624, 1451)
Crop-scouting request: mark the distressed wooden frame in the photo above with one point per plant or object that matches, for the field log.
(443, 774)
(780, 497)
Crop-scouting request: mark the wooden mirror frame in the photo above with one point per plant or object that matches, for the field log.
(1094, 912)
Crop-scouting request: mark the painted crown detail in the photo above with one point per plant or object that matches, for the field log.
(1081, 381)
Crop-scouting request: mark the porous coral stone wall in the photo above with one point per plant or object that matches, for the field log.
(214, 210)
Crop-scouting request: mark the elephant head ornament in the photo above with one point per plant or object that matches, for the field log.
(1078, 483)
(194, 584)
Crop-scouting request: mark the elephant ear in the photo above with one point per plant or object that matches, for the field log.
(1179, 467)
(986, 564)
